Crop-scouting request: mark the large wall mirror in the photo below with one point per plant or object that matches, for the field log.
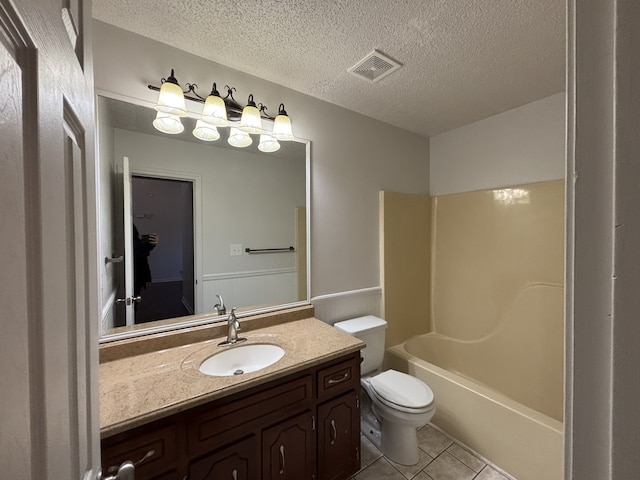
(186, 225)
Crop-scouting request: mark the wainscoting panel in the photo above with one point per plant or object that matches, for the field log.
(335, 307)
(255, 289)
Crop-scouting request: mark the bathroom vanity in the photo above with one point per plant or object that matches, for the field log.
(297, 419)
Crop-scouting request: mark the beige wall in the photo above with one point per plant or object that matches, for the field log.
(405, 264)
(484, 270)
(489, 248)
(498, 289)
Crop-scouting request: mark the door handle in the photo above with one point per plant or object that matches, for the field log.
(129, 300)
(334, 432)
(126, 470)
(281, 459)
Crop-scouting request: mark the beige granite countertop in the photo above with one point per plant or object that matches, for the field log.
(139, 389)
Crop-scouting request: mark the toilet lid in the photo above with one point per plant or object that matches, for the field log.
(402, 389)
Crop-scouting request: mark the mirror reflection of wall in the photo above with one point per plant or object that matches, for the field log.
(241, 199)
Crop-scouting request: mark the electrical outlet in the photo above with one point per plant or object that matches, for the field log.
(235, 249)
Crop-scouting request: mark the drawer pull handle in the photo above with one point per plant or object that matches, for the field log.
(334, 432)
(281, 459)
(333, 380)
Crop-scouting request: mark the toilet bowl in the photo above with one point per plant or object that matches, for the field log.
(394, 404)
(400, 405)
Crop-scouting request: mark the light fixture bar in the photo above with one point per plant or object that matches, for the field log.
(243, 120)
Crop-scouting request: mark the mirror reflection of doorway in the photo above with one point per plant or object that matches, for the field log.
(165, 207)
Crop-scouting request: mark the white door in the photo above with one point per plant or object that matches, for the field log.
(127, 302)
(49, 424)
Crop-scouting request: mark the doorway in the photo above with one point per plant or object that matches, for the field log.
(165, 207)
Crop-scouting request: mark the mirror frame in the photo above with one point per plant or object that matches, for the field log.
(172, 324)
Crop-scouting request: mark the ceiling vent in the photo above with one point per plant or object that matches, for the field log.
(374, 67)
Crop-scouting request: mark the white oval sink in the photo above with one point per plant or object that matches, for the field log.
(241, 359)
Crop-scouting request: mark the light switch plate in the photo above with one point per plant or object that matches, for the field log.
(235, 249)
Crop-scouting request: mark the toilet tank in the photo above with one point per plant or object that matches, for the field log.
(370, 330)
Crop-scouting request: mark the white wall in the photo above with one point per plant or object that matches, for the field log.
(108, 280)
(523, 145)
(353, 157)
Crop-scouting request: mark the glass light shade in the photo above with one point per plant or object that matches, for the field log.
(282, 128)
(167, 123)
(268, 144)
(238, 138)
(214, 111)
(205, 131)
(171, 100)
(251, 121)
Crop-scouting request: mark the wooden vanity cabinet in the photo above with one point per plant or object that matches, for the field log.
(239, 461)
(302, 426)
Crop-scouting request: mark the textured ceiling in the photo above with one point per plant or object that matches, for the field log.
(463, 60)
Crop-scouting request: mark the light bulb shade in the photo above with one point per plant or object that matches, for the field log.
(238, 138)
(250, 121)
(282, 125)
(214, 111)
(205, 131)
(282, 128)
(268, 144)
(171, 99)
(167, 123)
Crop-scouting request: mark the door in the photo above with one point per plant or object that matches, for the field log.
(123, 245)
(339, 437)
(288, 449)
(49, 260)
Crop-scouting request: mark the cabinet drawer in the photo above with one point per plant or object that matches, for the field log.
(210, 427)
(135, 444)
(339, 378)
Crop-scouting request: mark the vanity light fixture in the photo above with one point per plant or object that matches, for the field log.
(217, 112)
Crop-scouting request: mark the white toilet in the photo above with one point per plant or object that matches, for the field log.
(395, 404)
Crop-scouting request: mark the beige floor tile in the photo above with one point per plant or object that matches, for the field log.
(369, 452)
(410, 471)
(432, 441)
(466, 457)
(447, 467)
(422, 476)
(381, 469)
(490, 474)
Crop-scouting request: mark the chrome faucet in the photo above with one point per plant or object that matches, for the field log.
(219, 307)
(232, 334)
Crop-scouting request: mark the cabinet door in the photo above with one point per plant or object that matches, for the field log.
(288, 449)
(238, 461)
(156, 443)
(339, 437)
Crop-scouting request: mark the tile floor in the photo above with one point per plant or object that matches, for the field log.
(441, 458)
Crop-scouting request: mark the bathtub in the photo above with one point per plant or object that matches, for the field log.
(517, 438)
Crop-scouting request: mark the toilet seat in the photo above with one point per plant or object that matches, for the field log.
(402, 392)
